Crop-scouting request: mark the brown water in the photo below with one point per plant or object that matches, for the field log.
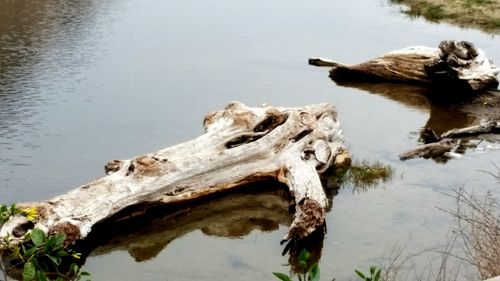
(84, 82)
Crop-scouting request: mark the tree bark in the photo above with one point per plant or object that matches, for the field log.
(454, 65)
(240, 145)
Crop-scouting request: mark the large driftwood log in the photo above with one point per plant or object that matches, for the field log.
(241, 145)
(458, 66)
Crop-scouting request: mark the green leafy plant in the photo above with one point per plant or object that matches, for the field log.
(7, 211)
(306, 274)
(43, 257)
(375, 274)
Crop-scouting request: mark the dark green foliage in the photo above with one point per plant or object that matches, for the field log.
(45, 256)
(306, 274)
(375, 274)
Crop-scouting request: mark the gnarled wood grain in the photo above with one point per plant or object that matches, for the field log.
(453, 65)
(240, 145)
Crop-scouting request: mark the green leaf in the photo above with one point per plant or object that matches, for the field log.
(59, 239)
(61, 253)
(282, 276)
(314, 273)
(377, 275)
(29, 271)
(55, 260)
(15, 252)
(304, 256)
(41, 276)
(28, 253)
(73, 268)
(360, 274)
(49, 244)
(37, 236)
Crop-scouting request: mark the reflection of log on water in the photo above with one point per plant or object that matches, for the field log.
(458, 66)
(443, 115)
(241, 145)
(454, 122)
(261, 206)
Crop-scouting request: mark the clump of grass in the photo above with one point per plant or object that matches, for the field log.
(366, 174)
(469, 13)
(494, 23)
(434, 12)
(430, 11)
(363, 175)
(473, 3)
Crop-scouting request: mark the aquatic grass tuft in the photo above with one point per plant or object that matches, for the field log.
(363, 175)
(367, 174)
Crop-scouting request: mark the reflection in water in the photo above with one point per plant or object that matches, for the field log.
(233, 215)
(261, 206)
(447, 111)
(40, 41)
(443, 115)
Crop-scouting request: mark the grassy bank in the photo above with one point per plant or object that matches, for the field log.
(483, 14)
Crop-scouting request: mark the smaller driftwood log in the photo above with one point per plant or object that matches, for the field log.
(241, 145)
(453, 65)
(437, 146)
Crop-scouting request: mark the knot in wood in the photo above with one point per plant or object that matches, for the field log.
(145, 165)
(307, 119)
(112, 166)
(235, 114)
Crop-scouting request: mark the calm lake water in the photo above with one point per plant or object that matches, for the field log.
(84, 82)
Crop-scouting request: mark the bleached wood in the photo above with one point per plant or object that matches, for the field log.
(458, 65)
(240, 145)
(438, 146)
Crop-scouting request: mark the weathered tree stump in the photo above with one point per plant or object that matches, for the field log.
(240, 145)
(457, 66)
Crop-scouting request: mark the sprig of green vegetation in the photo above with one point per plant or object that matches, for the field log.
(7, 211)
(375, 274)
(306, 274)
(364, 174)
(43, 257)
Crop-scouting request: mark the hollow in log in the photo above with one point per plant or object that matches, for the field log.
(240, 145)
